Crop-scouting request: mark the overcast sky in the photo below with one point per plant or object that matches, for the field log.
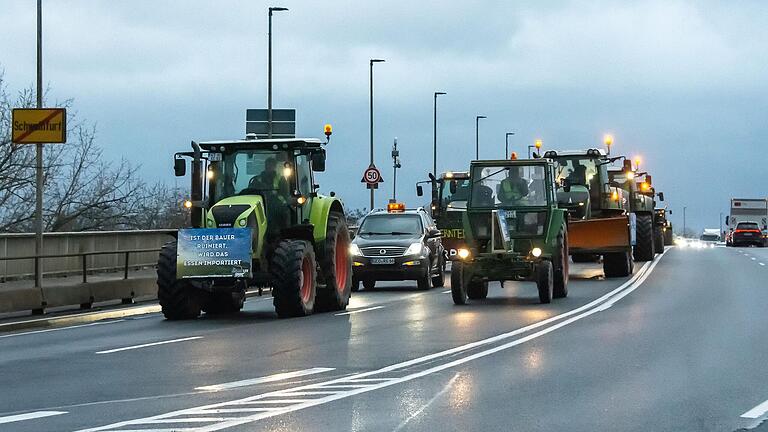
(682, 83)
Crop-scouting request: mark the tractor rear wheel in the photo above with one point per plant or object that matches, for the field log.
(477, 289)
(178, 299)
(335, 267)
(545, 281)
(561, 266)
(658, 239)
(294, 274)
(644, 250)
(458, 283)
(617, 264)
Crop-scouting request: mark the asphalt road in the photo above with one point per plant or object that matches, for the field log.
(679, 346)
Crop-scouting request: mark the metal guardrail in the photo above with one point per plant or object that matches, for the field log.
(85, 255)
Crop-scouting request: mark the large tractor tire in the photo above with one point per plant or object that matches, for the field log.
(458, 283)
(335, 267)
(644, 250)
(561, 266)
(669, 238)
(477, 289)
(658, 239)
(585, 258)
(545, 281)
(617, 264)
(294, 278)
(178, 299)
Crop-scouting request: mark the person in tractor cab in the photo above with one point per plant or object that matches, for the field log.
(276, 192)
(513, 188)
(579, 174)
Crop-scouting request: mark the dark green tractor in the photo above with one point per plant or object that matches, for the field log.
(641, 195)
(299, 238)
(514, 230)
(449, 201)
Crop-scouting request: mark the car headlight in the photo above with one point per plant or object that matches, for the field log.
(414, 249)
(354, 250)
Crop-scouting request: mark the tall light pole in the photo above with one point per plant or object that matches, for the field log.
(721, 224)
(269, 72)
(477, 136)
(506, 145)
(39, 155)
(434, 135)
(372, 61)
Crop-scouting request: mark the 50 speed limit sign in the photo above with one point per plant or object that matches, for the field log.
(372, 177)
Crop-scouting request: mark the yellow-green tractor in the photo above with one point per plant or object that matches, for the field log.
(299, 241)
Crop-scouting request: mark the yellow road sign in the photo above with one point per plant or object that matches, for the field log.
(41, 125)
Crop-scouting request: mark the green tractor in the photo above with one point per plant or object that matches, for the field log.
(514, 230)
(663, 224)
(299, 241)
(449, 201)
(600, 223)
(641, 196)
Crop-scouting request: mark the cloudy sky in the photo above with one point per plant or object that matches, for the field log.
(682, 83)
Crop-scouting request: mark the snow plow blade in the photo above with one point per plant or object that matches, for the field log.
(599, 236)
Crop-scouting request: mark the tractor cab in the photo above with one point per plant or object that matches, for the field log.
(449, 201)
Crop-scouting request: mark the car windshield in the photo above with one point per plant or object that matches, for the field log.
(456, 199)
(747, 226)
(391, 224)
(250, 172)
(508, 186)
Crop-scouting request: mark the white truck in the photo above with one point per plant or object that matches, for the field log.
(746, 210)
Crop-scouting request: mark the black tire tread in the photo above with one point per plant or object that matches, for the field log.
(329, 299)
(644, 250)
(286, 270)
(178, 299)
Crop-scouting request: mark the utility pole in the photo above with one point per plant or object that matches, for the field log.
(269, 71)
(39, 155)
(395, 166)
(371, 62)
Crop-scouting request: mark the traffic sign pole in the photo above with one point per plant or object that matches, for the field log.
(39, 155)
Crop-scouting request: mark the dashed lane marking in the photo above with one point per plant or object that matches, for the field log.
(29, 416)
(757, 411)
(148, 345)
(359, 310)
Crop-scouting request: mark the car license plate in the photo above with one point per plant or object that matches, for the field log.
(382, 260)
(747, 234)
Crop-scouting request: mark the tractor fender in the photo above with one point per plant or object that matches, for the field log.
(322, 206)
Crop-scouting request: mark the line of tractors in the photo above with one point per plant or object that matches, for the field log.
(501, 220)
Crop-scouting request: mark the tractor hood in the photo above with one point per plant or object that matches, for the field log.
(235, 211)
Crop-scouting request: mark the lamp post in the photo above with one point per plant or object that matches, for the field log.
(371, 62)
(506, 144)
(477, 135)
(434, 150)
(269, 71)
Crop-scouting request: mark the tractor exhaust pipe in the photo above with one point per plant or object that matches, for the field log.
(196, 189)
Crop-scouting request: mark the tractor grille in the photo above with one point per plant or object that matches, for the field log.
(225, 215)
(389, 251)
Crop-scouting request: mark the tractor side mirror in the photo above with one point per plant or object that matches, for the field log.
(649, 180)
(661, 196)
(179, 167)
(419, 190)
(318, 160)
(432, 177)
(452, 186)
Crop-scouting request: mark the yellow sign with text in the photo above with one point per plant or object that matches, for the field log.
(39, 125)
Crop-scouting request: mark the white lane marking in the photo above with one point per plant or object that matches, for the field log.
(428, 404)
(60, 328)
(757, 411)
(445, 292)
(762, 264)
(359, 310)
(30, 416)
(265, 379)
(148, 345)
(326, 396)
(753, 259)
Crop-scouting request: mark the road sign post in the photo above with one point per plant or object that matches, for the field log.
(39, 125)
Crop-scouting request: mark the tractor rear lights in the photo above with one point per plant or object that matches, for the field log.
(395, 207)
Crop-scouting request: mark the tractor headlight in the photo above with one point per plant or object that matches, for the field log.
(414, 249)
(463, 253)
(536, 252)
(354, 250)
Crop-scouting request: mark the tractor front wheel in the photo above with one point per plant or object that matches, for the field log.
(545, 281)
(178, 299)
(294, 274)
(335, 267)
(658, 239)
(644, 249)
(561, 266)
(458, 283)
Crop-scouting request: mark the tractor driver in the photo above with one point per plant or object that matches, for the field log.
(276, 191)
(513, 188)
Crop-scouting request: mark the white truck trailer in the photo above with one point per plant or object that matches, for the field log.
(746, 210)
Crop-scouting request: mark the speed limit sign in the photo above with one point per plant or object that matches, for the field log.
(371, 176)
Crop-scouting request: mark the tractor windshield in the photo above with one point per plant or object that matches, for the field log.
(455, 200)
(578, 170)
(508, 186)
(251, 172)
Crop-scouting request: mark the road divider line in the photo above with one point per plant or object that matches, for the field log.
(359, 310)
(148, 345)
(265, 379)
(757, 411)
(325, 394)
(30, 416)
(762, 264)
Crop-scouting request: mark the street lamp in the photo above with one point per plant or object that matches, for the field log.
(371, 62)
(477, 136)
(506, 145)
(434, 150)
(269, 71)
